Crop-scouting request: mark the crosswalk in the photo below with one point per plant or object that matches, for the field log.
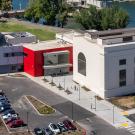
(131, 129)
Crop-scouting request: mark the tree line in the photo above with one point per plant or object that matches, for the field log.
(53, 11)
(102, 19)
(5, 5)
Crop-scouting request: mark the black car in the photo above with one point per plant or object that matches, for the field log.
(48, 132)
(62, 127)
(5, 107)
(11, 111)
(1, 92)
(39, 131)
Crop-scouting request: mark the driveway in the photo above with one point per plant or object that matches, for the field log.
(16, 88)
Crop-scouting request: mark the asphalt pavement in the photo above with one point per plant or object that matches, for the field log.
(16, 88)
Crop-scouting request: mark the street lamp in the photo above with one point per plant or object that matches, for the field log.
(28, 121)
(95, 102)
(113, 113)
(79, 92)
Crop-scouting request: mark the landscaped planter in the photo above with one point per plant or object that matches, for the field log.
(40, 107)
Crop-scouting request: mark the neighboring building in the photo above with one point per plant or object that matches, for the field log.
(19, 37)
(87, 3)
(48, 58)
(104, 61)
(11, 51)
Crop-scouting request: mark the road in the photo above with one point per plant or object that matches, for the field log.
(15, 88)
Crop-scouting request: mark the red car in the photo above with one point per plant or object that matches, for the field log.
(16, 123)
(11, 119)
(68, 124)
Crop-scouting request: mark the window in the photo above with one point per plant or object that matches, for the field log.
(122, 62)
(82, 64)
(13, 68)
(128, 38)
(6, 55)
(122, 78)
(18, 53)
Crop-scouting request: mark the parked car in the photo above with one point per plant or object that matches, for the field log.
(1, 92)
(48, 132)
(4, 103)
(3, 99)
(9, 115)
(54, 128)
(3, 108)
(11, 111)
(39, 131)
(11, 119)
(16, 123)
(62, 127)
(69, 125)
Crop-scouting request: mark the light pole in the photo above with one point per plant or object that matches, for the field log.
(113, 113)
(95, 102)
(64, 82)
(79, 92)
(28, 121)
(72, 111)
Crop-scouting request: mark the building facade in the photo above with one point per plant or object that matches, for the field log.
(48, 58)
(11, 51)
(104, 62)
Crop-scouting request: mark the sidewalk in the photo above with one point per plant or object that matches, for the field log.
(85, 99)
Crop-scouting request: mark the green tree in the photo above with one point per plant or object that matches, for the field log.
(0, 4)
(47, 9)
(102, 19)
(6, 5)
(62, 13)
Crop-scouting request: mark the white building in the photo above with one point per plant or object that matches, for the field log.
(11, 50)
(87, 3)
(104, 61)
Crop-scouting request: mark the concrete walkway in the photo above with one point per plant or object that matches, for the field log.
(85, 99)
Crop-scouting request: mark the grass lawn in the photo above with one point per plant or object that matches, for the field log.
(41, 34)
(41, 107)
(124, 102)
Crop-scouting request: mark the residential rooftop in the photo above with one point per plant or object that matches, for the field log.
(46, 45)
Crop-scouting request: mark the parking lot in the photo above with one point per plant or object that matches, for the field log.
(16, 88)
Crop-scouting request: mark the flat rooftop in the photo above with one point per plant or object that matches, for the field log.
(12, 35)
(112, 33)
(46, 45)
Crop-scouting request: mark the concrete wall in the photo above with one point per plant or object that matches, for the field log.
(94, 54)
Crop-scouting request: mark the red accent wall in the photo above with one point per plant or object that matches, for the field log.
(34, 61)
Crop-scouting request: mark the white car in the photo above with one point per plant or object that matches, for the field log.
(5, 117)
(54, 128)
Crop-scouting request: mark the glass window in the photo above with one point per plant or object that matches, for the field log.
(6, 54)
(122, 62)
(13, 68)
(122, 77)
(81, 64)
